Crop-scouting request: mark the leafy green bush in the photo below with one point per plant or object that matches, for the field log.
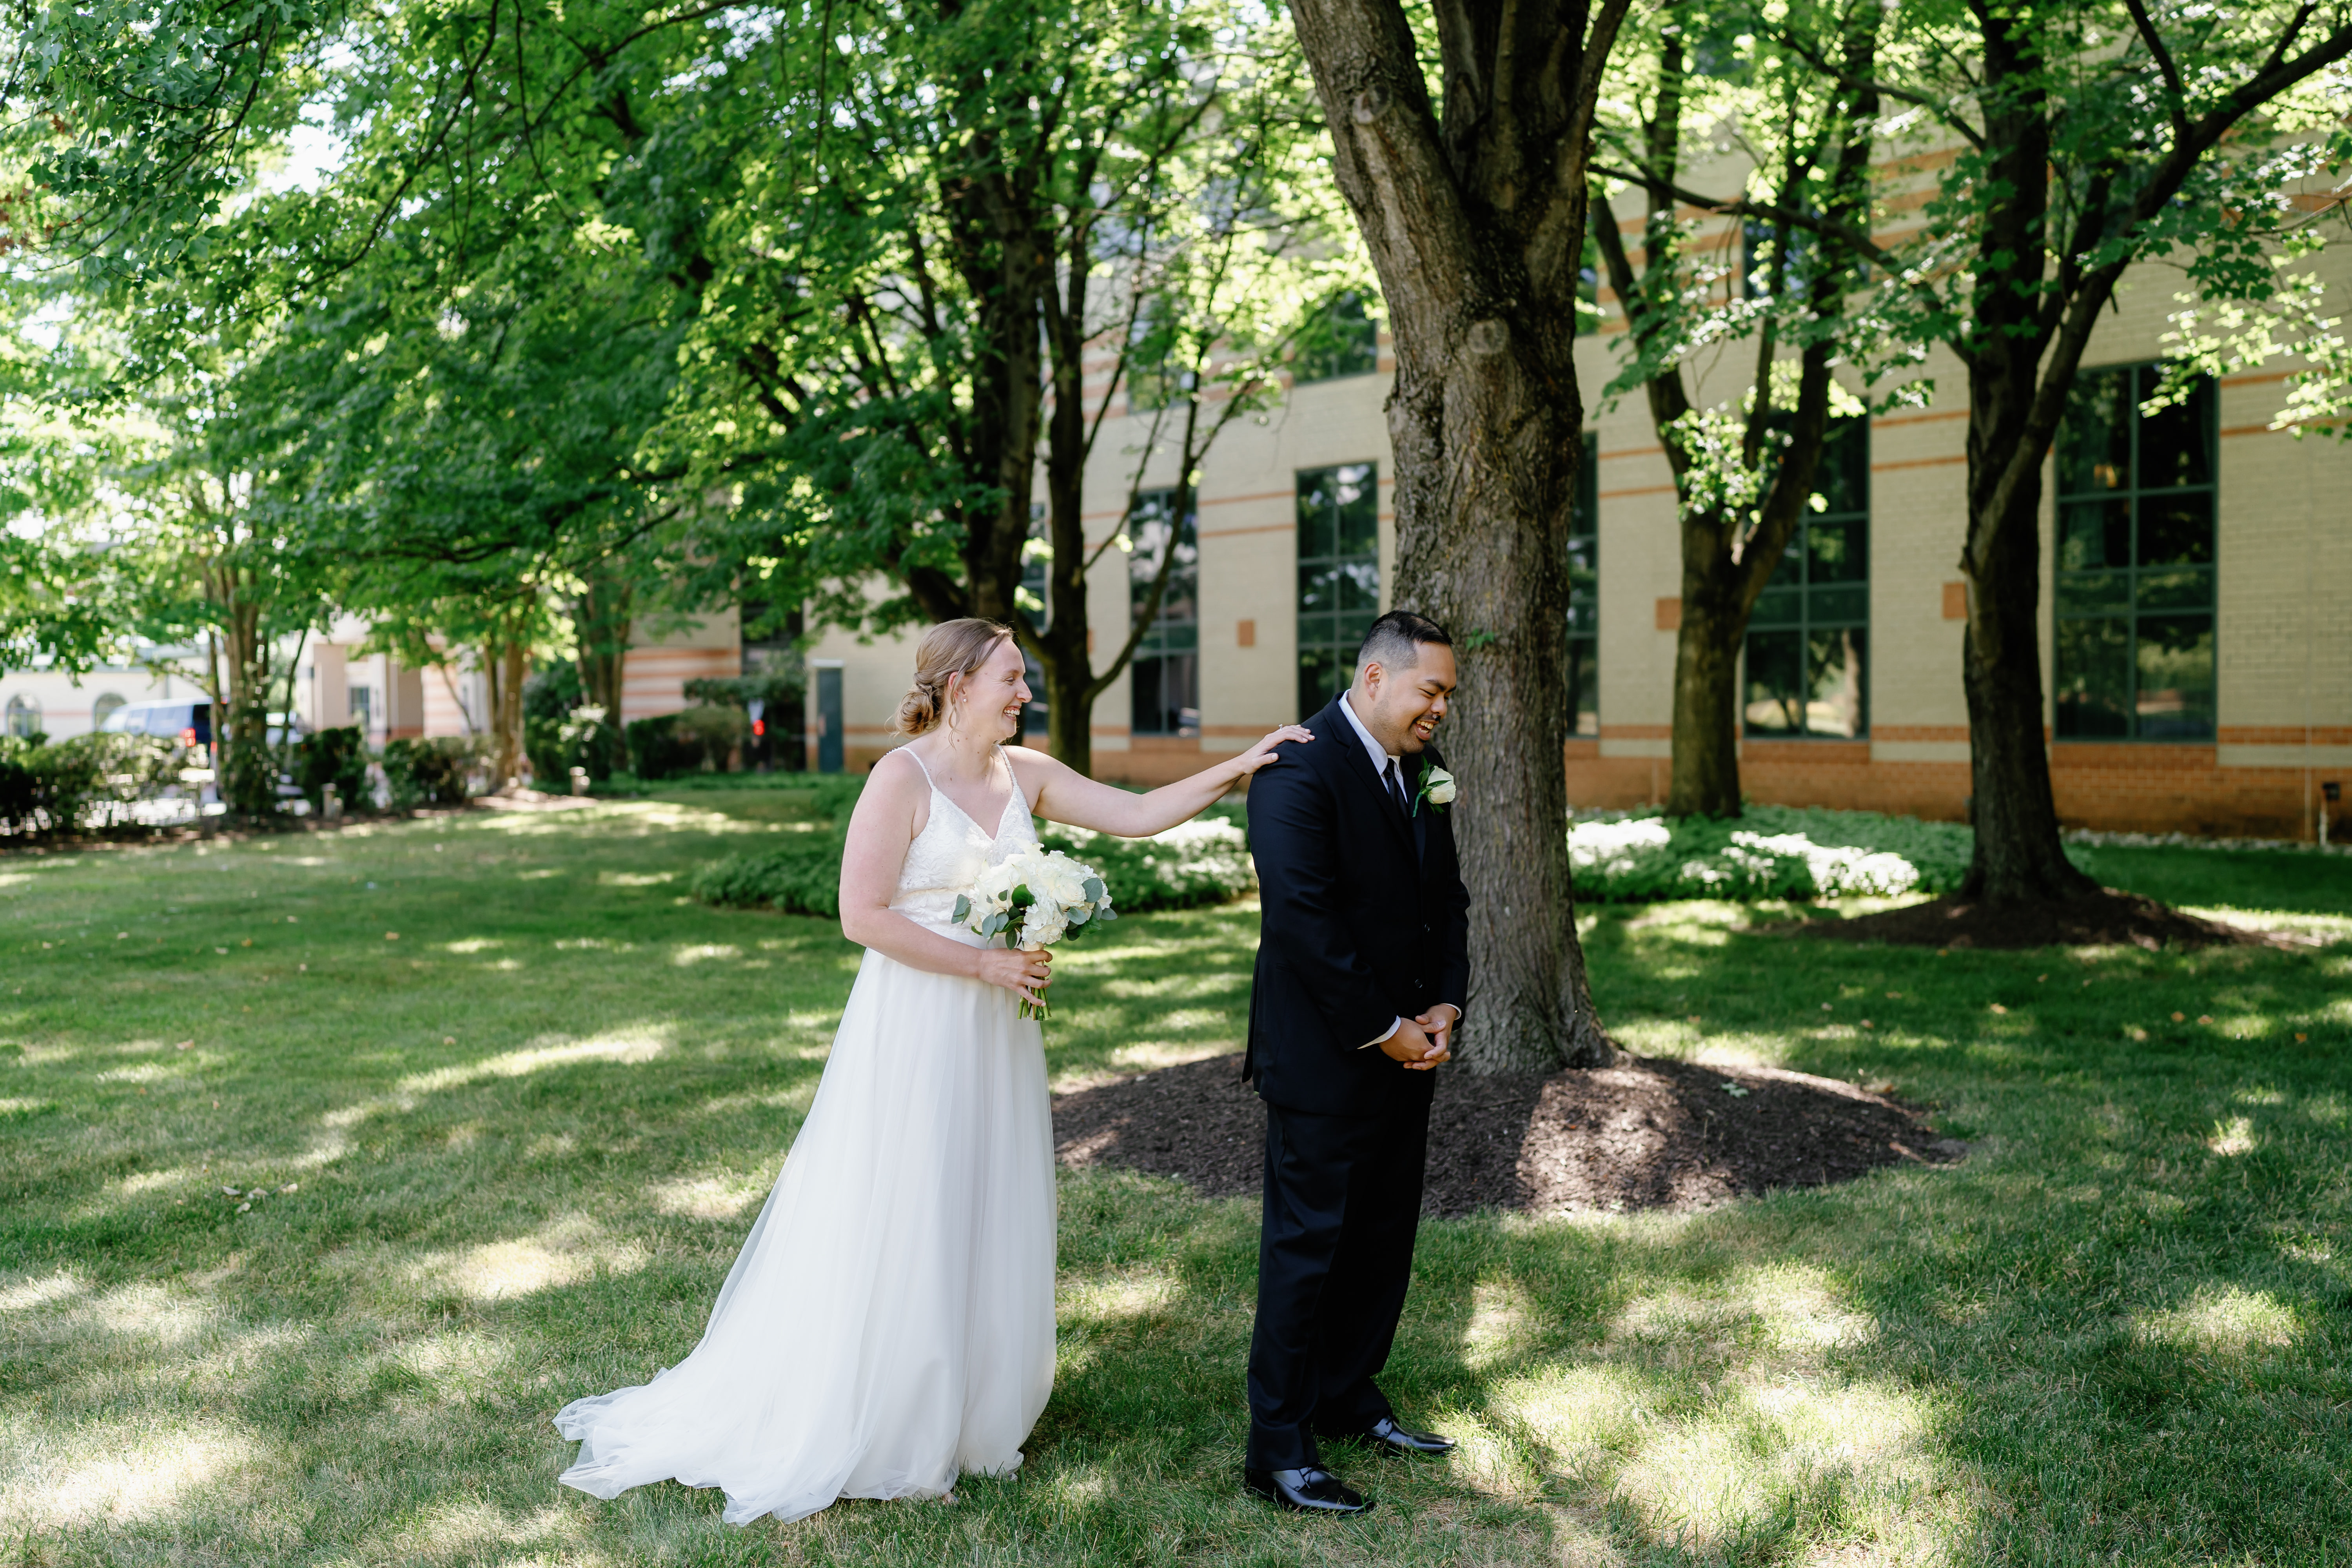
(713, 730)
(800, 876)
(1203, 861)
(697, 740)
(552, 692)
(50, 787)
(337, 757)
(428, 772)
(1771, 852)
(653, 749)
(580, 739)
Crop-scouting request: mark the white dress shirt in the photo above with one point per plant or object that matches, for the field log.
(1382, 758)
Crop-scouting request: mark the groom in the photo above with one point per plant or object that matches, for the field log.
(1362, 963)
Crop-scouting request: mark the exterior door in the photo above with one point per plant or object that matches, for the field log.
(828, 721)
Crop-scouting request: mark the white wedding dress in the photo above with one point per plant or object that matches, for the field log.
(889, 1322)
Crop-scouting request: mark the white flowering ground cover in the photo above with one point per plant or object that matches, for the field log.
(1771, 852)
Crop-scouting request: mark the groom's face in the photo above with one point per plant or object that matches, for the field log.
(1401, 707)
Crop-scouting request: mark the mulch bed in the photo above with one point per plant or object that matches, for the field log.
(2108, 918)
(1642, 1134)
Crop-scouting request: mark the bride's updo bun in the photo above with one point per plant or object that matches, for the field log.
(949, 650)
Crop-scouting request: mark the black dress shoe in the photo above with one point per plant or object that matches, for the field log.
(1388, 1437)
(1310, 1490)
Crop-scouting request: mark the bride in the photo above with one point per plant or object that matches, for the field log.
(889, 1322)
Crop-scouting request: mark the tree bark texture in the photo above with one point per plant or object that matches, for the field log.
(604, 617)
(1477, 226)
(2018, 856)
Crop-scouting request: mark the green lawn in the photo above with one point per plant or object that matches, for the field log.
(525, 1137)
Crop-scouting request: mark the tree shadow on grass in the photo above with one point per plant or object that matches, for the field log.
(2117, 1333)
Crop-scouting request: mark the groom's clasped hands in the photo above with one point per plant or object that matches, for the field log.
(1424, 1041)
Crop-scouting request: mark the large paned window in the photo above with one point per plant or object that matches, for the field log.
(1809, 639)
(1343, 341)
(2136, 561)
(1584, 598)
(1166, 674)
(1338, 576)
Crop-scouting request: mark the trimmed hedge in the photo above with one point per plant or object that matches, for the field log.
(337, 757)
(50, 786)
(1204, 861)
(1771, 852)
(428, 772)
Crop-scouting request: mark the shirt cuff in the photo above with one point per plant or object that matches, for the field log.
(1385, 1034)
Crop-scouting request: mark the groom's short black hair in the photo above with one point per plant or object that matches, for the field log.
(1396, 639)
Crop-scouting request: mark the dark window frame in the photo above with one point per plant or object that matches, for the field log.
(1344, 342)
(1333, 585)
(1166, 666)
(2077, 590)
(1794, 603)
(1583, 643)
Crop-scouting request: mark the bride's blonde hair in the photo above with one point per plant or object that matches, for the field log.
(949, 650)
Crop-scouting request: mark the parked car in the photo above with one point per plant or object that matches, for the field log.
(191, 723)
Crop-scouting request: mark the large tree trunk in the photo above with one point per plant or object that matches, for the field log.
(1479, 549)
(1069, 708)
(249, 771)
(505, 663)
(602, 622)
(2018, 856)
(1477, 231)
(1705, 777)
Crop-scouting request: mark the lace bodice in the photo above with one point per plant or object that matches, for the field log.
(952, 851)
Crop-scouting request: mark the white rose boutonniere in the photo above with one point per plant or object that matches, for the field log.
(1436, 787)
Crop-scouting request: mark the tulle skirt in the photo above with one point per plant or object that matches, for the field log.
(889, 1322)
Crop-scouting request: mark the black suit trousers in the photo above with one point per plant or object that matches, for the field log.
(1335, 1254)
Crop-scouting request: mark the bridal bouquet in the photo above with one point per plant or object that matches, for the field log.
(1054, 897)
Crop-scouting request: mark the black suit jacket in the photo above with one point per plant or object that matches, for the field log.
(1364, 920)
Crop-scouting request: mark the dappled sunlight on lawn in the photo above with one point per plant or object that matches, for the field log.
(563, 1252)
(728, 1197)
(2114, 1333)
(2227, 1319)
(114, 1472)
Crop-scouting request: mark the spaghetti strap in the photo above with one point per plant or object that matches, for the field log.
(1013, 773)
(918, 763)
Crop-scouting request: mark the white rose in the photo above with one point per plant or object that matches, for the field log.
(1438, 786)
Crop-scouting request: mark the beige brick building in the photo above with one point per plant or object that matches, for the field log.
(2199, 680)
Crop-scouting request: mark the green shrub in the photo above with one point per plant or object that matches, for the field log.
(712, 731)
(1771, 852)
(552, 692)
(800, 875)
(1203, 861)
(20, 790)
(653, 749)
(51, 787)
(337, 757)
(428, 772)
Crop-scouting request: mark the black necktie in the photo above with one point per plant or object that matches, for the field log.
(1395, 781)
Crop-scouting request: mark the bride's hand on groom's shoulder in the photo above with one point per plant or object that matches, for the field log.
(1263, 752)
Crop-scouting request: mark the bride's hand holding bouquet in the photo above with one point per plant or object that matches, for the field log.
(1054, 898)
